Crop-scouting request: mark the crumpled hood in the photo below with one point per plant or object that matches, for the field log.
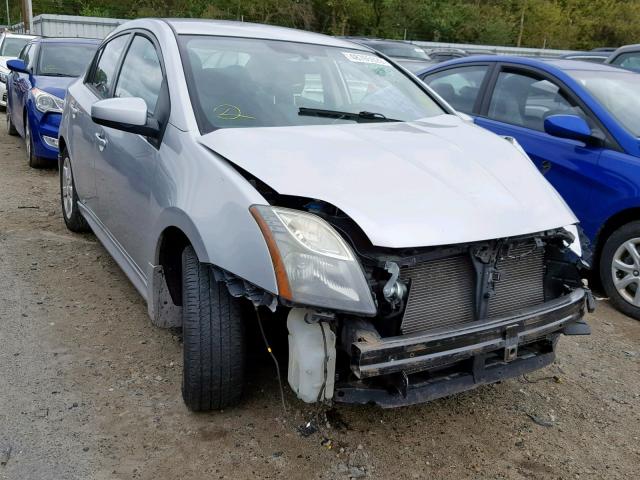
(3, 61)
(54, 85)
(438, 181)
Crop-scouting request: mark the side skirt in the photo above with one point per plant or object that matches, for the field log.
(124, 261)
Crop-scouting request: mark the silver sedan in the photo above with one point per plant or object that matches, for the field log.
(411, 253)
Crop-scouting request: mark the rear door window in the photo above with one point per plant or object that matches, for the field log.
(460, 87)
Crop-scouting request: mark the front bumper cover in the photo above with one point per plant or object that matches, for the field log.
(493, 350)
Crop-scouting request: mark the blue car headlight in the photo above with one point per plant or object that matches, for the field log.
(45, 102)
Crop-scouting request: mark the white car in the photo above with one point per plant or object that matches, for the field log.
(10, 46)
(411, 253)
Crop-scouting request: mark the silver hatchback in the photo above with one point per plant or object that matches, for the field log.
(411, 253)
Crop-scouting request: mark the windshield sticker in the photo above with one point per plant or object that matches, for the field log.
(230, 112)
(364, 58)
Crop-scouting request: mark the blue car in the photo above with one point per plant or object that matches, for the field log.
(36, 88)
(580, 124)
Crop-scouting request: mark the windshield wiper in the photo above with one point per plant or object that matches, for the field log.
(361, 117)
(54, 74)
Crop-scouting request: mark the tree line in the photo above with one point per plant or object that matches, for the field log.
(562, 24)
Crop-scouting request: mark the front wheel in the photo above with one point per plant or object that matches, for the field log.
(620, 269)
(32, 158)
(11, 130)
(213, 336)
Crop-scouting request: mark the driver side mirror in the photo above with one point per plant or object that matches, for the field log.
(17, 65)
(127, 114)
(572, 127)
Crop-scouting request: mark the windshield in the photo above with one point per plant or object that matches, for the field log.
(401, 50)
(618, 92)
(60, 60)
(12, 45)
(240, 82)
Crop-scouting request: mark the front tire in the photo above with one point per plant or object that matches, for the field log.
(11, 130)
(213, 336)
(620, 269)
(32, 158)
(73, 219)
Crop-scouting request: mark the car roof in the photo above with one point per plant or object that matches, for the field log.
(19, 35)
(66, 40)
(228, 28)
(544, 63)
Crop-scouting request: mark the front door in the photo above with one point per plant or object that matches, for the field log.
(126, 162)
(517, 106)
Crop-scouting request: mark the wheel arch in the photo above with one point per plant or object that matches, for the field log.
(174, 236)
(613, 223)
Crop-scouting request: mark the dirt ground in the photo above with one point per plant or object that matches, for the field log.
(89, 389)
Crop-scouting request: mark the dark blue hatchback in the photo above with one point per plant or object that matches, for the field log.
(580, 124)
(36, 89)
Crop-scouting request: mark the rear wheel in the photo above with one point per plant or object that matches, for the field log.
(34, 161)
(69, 198)
(620, 269)
(213, 333)
(11, 130)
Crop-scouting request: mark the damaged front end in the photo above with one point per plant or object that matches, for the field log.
(418, 324)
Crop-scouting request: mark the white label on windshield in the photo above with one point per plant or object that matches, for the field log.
(364, 58)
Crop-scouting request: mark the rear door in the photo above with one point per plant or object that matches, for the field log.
(82, 141)
(516, 103)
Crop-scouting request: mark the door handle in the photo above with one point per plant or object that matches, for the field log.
(102, 142)
(545, 166)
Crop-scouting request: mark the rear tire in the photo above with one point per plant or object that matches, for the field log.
(213, 333)
(73, 219)
(32, 158)
(620, 269)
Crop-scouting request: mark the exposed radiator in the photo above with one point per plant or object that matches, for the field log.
(441, 292)
(521, 283)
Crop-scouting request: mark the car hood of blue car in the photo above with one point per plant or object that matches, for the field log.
(54, 85)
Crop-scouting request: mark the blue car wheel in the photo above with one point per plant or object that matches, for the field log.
(32, 158)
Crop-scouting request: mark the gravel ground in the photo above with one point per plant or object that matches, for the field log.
(89, 389)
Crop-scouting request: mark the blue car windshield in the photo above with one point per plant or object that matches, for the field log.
(618, 92)
(243, 82)
(64, 60)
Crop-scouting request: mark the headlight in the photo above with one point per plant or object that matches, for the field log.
(576, 246)
(313, 264)
(3, 76)
(45, 102)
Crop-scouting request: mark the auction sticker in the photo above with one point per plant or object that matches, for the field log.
(364, 58)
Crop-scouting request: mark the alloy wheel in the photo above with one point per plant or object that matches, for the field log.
(67, 187)
(27, 138)
(625, 270)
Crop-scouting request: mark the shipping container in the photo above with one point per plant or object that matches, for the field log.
(47, 25)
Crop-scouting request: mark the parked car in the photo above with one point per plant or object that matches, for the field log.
(595, 57)
(414, 254)
(626, 57)
(580, 123)
(410, 56)
(36, 89)
(10, 46)
(439, 55)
